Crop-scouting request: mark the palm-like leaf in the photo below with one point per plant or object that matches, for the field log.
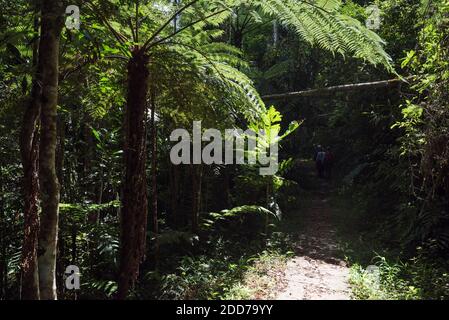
(321, 23)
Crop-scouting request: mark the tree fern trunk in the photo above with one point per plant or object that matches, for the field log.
(135, 201)
(238, 39)
(51, 26)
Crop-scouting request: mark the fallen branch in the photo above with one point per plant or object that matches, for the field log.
(336, 89)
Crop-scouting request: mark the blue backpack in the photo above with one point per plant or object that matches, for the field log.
(321, 156)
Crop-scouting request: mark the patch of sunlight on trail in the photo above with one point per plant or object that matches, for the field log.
(312, 279)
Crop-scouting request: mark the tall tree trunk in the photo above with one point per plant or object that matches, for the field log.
(154, 178)
(3, 232)
(52, 21)
(29, 147)
(135, 201)
(197, 171)
(61, 249)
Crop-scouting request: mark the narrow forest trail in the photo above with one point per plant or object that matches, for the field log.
(317, 271)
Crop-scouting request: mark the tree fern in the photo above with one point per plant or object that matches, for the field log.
(321, 23)
(216, 65)
(192, 50)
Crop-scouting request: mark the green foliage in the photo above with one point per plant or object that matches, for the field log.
(260, 280)
(321, 23)
(388, 285)
(419, 278)
(248, 219)
(211, 69)
(269, 125)
(202, 277)
(412, 118)
(425, 126)
(90, 245)
(220, 275)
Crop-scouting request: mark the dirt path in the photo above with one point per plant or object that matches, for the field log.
(316, 272)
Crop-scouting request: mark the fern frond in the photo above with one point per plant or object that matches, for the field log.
(321, 23)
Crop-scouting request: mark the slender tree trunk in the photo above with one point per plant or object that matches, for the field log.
(94, 190)
(275, 33)
(196, 198)
(29, 147)
(3, 232)
(30, 278)
(154, 178)
(135, 201)
(184, 185)
(60, 147)
(205, 197)
(171, 176)
(268, 195)
(74, 251)
(177, 19)
(174, 199)
(227, 187)
(52, 19)
(321, 92)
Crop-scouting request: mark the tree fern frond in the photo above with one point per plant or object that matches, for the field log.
(321, 23)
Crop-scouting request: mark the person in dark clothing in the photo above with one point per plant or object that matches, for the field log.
(328, 163)
(319, 159)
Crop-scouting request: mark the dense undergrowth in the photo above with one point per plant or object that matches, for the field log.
(382, 269)
(393, 279)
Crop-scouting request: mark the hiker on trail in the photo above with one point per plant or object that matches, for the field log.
(328, 163)
(319, 158)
